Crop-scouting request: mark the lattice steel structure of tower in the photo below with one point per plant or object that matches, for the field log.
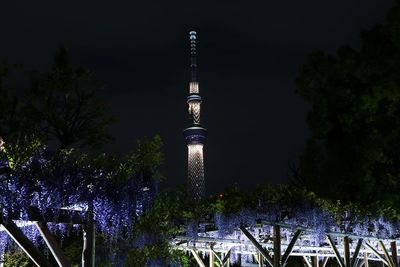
(195, 135)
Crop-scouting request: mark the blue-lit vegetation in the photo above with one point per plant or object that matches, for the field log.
(53, 170)
(50, 184)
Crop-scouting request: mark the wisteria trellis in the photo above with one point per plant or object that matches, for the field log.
(69, 184)
(225, 232)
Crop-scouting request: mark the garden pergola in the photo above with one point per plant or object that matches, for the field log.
(14, 227)
(270, 244)
(48, 192)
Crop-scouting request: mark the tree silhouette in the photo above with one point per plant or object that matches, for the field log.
(354, 149)
(64, 105)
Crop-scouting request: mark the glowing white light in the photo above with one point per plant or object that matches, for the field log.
(194, 87)
(1, 144)
(196, 170)
(76, 207)
(19, 223)
(194, 110)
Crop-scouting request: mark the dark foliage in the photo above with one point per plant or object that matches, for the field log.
(61, 106)
(353, 153)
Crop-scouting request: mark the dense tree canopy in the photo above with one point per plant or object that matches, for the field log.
(354, 149)
(49, 162)
(61, 106)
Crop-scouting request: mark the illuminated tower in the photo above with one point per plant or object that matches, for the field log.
(195, 135)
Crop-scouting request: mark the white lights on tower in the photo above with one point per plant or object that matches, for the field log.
(194, 87)
(196, 170)
(194, 110)
(195, 135)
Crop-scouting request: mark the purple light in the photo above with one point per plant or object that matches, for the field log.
(48, 182)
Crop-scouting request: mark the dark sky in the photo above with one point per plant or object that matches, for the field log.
(249, 54)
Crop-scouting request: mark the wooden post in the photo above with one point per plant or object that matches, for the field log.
(260, 260)
(356, 251)
(216, 257)
(226, 259)
(25, 244)
(89, 237)
(393, 248)
(346, 251)
(227, 263)
(335, 250)
(277, 245)
(325, 261)
(386, 253)
(197, 258)
(290, 247)
(316, 261)
(211, 258)
(84, 247)
(53, 245)
(376, 253)
(366, 264)
(307, 261)
(257, 245)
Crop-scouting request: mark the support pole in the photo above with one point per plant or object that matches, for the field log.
(356, 251)
(325, 261)
(277, 245)
(89, 236)
(290, 247)
(215, 255)
(260, 260)
(307, 261)
(211, 258)
(53, 245)
(226, 260)
(197, 258)
(84, 247)
(386, 253)
(366, 263)
(376, 253)
(335, 250)
(257, 245)
(393, 248)
(25, 244)
(346, 251)
(316, 261)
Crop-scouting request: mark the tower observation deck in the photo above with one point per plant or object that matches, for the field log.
(195, 135)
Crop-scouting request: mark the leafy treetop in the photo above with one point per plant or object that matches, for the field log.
(61, 106)
(353, 153)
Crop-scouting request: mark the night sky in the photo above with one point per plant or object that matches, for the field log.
(248, 55)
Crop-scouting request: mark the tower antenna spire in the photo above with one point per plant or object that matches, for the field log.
(193, 56)
(195, 135)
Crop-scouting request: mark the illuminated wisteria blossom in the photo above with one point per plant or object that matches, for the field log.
(49, 185)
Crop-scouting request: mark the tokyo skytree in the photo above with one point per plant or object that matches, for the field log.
(195, 135)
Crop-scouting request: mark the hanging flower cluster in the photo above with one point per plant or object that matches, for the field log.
(45, 186)
(295, 209)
